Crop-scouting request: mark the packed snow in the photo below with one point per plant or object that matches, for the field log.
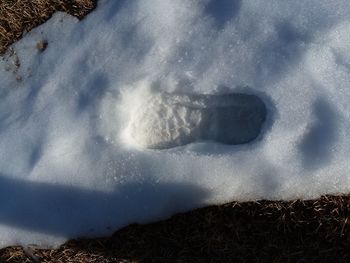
(126, 115)
(163, 120)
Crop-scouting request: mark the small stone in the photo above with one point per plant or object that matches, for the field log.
(17, 62)
(42, 45)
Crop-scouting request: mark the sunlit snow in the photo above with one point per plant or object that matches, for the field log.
(126, 116)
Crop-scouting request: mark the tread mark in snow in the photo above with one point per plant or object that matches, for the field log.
(164, 120)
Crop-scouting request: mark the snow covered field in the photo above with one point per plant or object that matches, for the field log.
(126, 116)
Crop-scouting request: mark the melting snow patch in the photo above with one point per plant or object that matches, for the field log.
(247, 100)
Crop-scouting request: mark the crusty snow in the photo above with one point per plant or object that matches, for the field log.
(86, 146)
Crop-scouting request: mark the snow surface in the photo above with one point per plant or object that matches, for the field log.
(160, 120)
(67, 165)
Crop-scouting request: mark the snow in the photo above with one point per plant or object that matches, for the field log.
(79, 120)
(159, 120)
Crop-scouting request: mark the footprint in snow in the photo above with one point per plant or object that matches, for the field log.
(164, 120)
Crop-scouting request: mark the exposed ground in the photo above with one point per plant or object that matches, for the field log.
(296, 231)
(20, 16)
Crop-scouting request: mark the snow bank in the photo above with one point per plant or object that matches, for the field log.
(75, 125)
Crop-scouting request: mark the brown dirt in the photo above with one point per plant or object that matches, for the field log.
(266, 231)
(19, 16)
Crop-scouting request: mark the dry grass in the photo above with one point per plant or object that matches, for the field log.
(298, 231)
(18, 16)
(309, 231)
